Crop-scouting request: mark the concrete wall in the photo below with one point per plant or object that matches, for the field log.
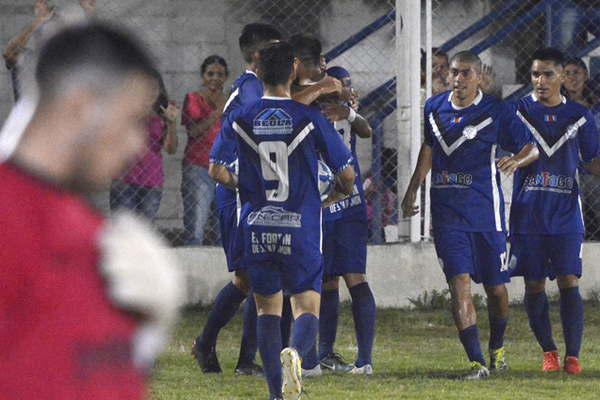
(396, 273)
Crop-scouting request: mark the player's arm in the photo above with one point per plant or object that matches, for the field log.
(337, 112)
(424, 162)
(222, 154)
(589, 146)
(528, 154)
(310, 94)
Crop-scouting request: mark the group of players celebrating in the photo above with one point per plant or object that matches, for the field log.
(287, 111)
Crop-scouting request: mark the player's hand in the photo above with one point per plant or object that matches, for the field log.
(89, 6)
(409, 206)
(508, 165)
(487, 78)
(335, 112)
(330, 85)
(171, 112)
(346, 94)
(354, 102)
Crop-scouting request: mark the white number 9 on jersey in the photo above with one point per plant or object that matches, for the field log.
(274, 167)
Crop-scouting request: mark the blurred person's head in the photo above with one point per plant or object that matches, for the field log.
(439, 63)
(96, 87)
(465, 76)
(277, 65)
(214, 72)
(307, 49)
(254, 37)
(547, 74)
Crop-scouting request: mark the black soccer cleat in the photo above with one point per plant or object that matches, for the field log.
(251, 369)
(335, 362)
(206, 357)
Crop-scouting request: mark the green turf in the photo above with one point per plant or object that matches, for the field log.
(416, 355)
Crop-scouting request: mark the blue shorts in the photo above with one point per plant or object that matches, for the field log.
(344, 247)
(270, 277)
(231, 237)
(482, 255)
(537, 257)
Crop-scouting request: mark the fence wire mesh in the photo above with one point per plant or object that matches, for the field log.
(505, 34)
(358, 35)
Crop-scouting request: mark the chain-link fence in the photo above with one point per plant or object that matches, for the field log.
(170, 183)
(505, 34)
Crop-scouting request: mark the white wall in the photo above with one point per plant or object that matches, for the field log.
(396, 273)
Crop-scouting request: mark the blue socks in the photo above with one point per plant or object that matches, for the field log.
(497, 328)
(269, 345)
(304, 333)
(248, 346)
(363, 311)
(224, 308)
(286, 321)
(328, 321)
(469, 338)
(571, 314)
(536, 305)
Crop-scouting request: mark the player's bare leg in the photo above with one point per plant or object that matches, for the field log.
(465, 319)
(571, 315)
(497, 300)
(537, 307)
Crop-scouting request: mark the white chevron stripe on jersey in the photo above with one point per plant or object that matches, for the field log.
(570, 133)
(458, 142)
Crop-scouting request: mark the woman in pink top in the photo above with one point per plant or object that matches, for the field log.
(140, 189)
(201, 117)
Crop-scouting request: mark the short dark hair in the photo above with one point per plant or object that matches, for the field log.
(468, 57)
(437, 52)
(214, 59)
(307, 49)
(254, 36)
(96, 48)
(549, 54)
(275, 63)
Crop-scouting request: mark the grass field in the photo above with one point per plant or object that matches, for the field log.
(416, 356)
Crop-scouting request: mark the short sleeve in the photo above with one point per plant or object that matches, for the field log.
(329, 143)
(195, 109)
(513, 135)
(427, 130)
(224, 148)
(587, 139)
(250, 92)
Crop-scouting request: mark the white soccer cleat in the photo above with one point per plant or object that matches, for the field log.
(366, 369)
(292, 374)
(313, 372)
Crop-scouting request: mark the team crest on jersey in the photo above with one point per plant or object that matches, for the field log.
(550, 118)
(273, 121)
(456, 119)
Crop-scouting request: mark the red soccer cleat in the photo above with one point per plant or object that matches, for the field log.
(572, 366)
(551, 362)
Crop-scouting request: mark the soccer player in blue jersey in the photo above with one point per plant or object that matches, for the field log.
(247, 89)
(546, 224)
(279, 142)
(463, 128)
(344, 230)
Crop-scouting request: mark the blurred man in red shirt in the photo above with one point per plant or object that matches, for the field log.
(84, 302)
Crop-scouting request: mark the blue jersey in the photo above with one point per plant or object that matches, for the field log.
(546, 194)
(279, 142)
(466, 194)
(247, 89)
(354, 205)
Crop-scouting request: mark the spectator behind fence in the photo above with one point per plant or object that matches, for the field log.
(576, 85)
(572, 20)
(19, 49)
(201, 117)
(140, 189)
